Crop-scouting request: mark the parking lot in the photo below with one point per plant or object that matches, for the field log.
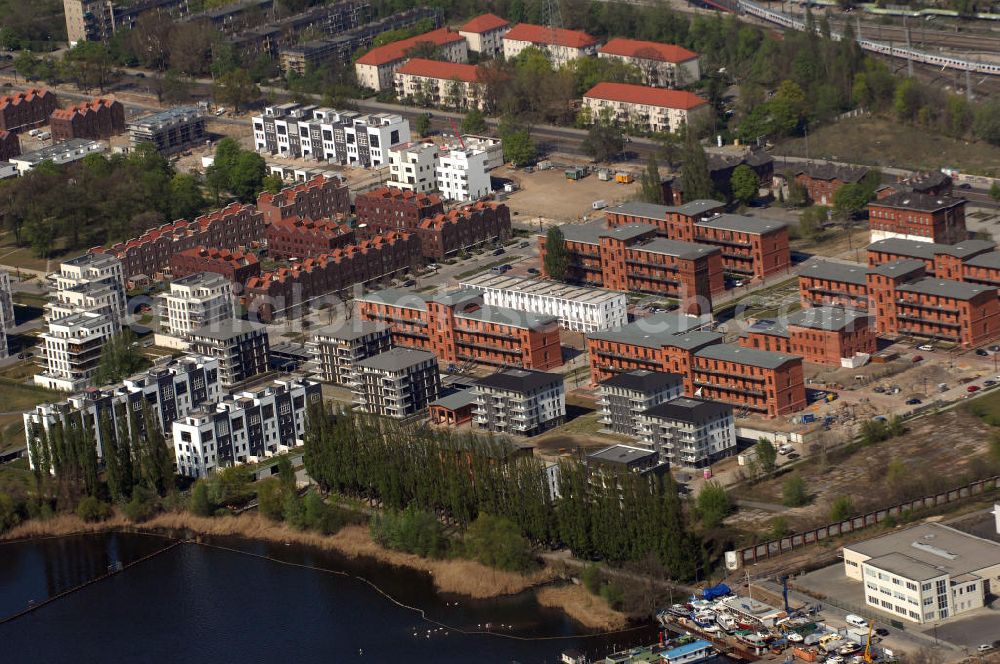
(547, 196)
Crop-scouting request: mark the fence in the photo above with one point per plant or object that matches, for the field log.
(778, 547)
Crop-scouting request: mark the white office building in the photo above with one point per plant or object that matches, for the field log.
(198, 300)
(925, 574)
(462, 175)
(7, 321)
(72, 348)
(578, 308)
(689, 432)
(520, 402)
(244, 427)
(412, 167)
(89, 283)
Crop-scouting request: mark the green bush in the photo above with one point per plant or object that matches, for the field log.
(270, 499)
(497, 542)
(412, 530)
(713, 504)
(200, 504)
(842, 508)
(793, 492)
(142, 506)
(9, 514)
(91, 510)
(591, 579)
(613, 595)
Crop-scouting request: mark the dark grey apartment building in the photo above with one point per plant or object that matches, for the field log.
(241, 347)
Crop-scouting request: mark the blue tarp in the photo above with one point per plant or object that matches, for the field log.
(714, 592)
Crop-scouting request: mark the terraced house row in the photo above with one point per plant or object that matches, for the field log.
(460, 329)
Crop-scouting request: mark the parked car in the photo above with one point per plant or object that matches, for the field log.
(925, 347)
(913, 402)
(981, 352)
(878, 389)
(882, 631)
(410, 282)
(972, 388)
(499, 251)
(792, 456)
(786, 449)
(524, 245)
(986, 647)
(532, 270)
(918, 358)
(989, 383)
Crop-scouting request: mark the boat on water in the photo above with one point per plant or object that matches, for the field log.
(690, 653)
(849, 648)
(704, 619)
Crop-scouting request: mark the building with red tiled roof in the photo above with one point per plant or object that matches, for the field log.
(388, 208)
(301, 238)
(278, 292)
(440, 83)
(10, 146)
(654, 109)
(443, 235)
(484, 33)
(560, 44)
(322, 197)
(375, 69)
(24, 110)
(237, 266)
(232, 227)
(94, 119)
(662, 65)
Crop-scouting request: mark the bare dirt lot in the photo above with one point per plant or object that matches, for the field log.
(548, 196)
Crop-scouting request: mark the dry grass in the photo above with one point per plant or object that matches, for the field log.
(463, 577)
(580, 605)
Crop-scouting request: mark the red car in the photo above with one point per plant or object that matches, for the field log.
(972, 388)
(918, 358)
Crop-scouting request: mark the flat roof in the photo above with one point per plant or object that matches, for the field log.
(169, 116)
(456, 400)
(688, 409)
(95, 259)
(57, 152)
(506, 316)
(640, 209)
(852, 273)
(397, 359)
(396, 297)
(742, 224)
(667, 329)
(227, 329)
(592, 232)
(458, 297)
(520, 380)
(957, 290)
(642, 380)
(349, 330)
(207, 279)
(903, 565)
(749, 356)
(678, 248)
(949, 550)
(927, 250)
(621, 454)
(901, 267)
(827, 318)
(542, 288)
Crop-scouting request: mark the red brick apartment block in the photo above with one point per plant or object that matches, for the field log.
(98, 118)
(945, 261)
(478, 223)
(297, 238)
(375, 259)
(634, 258)
(750, 247)
(913, 216)
(10, 146)
(823, 180)
(828, 283)
(458, 328)
(24, 110)
(237, 266)
(822, 335)
(232, 227)
(761, 382)
(932, 183)
(387, 208)
(322, 197)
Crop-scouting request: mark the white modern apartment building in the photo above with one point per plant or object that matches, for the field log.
(624, 397)
(462, 175)
(662, 65)
(559, 44)
(411, 167)
(7, 321)
(337, 348)
(325, 134)
(169, 390)
(649, 109)
(578, 308)
(925, 574)
(484, 34)
(376, 68)
(689, 432)
(397, 383)
(197, 300)
(244, 427)
(92, 282)
(520, 402)
(72, 348)
(448, 84)
(493, 147)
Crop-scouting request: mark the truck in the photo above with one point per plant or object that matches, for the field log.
(622, 177)
(599, 205)
(576, 173)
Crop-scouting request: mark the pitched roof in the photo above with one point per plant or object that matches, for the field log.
(742, 224)
(520, 380)
(540, 34)
(852, 273)
(829, 318)
(382, 55)
(634, 48)
(689, 409)
(438, 69)
(828, 171)
(928, 250)
(956, 290)
(677, 248)
(484, 23)
(748, 356)
(592, 232)
(913, 200)
(640, 94)
(642, 380)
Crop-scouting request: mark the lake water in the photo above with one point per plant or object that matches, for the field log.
(194, 603)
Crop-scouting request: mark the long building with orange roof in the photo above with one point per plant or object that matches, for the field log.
(387, 208)
(654, 109)
(376, 68)
(559, 44)
(281, 291)
(301, 238)
(24, 110)
(322, 197)
(235, 226)
(484, 33)
(662, 65)
(448, 84)
(446, 234)
(94, 119)
(237, 266)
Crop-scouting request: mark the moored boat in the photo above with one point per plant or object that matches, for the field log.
(696, 651)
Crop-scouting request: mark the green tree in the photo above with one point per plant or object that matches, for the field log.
(767, 455)
(794, 492)
(779, 527)
(271, 498)
(986, 122)
(995, 191)
(603, 141)
(474, 122)
(9, 514)
(142, 506)
(519, 148)
(713, 504)
(696, 182)
(651, 182)
(874, 431)
(90, 509)
(120, 358)
(246, 179)
(200, 504)
(186, 198)
(907, 100)
(422, 124)
(745, 184)
(556, 262)
(496, 542)
(842, 508)
(850, 200)
(811, 221)
(273, 183)
(235, 88)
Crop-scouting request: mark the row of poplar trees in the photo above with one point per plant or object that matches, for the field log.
(619, 518)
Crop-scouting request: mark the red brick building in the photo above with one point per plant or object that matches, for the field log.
(295, 237)
(322, 197)
(932, 183)
(822, 335)
(95, 119)
(233, 227)
(10, 146)
(760, 382)
(387, 208)
(750, 247)
(458, 328)
(914, 216)
(945, 261)
(827, 283)
(822, 180)
(282, 291)
(632, 257)
(237, 266)
(24, 110)
(482, 222)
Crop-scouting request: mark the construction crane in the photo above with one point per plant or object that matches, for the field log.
(868, 645)
(458, 134)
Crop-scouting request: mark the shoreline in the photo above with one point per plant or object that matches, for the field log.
(454, 576)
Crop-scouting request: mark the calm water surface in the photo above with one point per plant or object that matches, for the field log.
(195, 604)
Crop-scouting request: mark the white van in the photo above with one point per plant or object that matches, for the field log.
(856, 621)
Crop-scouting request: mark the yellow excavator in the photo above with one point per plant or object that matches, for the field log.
(868, 645)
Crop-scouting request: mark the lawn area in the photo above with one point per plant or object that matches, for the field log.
(11, 254)
(881, 142)
(15, 398)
